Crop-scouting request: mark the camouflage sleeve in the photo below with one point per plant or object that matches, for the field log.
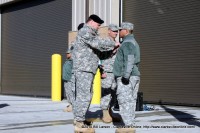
(94, 41)
(105, 55)
(129, 66)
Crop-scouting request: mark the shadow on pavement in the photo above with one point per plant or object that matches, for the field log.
(4, 105)
(94, 116)
(182, 116)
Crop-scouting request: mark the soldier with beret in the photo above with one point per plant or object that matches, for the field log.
(68, 77)
(85, 63)
(126, 71)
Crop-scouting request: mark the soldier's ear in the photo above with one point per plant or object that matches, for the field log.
(127, 31)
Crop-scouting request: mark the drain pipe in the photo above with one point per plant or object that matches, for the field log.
(120, 15)
(121, 11)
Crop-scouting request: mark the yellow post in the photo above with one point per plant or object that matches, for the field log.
(96, 98)
(56, 77)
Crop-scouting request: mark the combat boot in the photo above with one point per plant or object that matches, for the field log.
(68, 108)
(80, 127)
(106, 117)
(125, 130)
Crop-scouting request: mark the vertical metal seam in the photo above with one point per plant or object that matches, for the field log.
(120, 15)
(74, 15)
(110, 21)
(105, 10)
(94, 8)
(84, 10)
(99, 8)
(0, 52)
(121, 11)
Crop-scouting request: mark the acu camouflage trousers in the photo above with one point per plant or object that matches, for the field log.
(83, 94)
(108, 85)
(70, 90)
(127, 96)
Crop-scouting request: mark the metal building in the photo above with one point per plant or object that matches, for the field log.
(31, 31)
(167, 32)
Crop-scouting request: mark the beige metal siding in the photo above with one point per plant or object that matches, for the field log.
(168, 34)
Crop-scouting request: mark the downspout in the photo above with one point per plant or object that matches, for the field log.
(120, 15)
(121, 12)
(0, 52)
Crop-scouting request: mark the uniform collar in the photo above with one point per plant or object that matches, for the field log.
(94, 30)
(128, 36)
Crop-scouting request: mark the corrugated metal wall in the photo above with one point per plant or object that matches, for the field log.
(108, 10)
(78, 13)
(168, 34)
(0, 51)
(102, 8)
(31, 32)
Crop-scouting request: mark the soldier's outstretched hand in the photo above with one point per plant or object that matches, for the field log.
(117, 44)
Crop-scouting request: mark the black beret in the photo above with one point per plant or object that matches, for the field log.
(96, 19)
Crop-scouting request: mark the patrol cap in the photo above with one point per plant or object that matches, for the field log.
(80, 26)
(126, 26)
(96, 18)
(113, 27)
(68, 51)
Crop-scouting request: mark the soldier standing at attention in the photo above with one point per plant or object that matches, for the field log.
(108, 83)
(85, 63)
(66, 76)
(126, 71)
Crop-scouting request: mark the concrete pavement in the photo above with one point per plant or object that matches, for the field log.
(40, 115)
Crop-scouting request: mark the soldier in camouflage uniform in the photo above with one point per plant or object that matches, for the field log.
(126, 71)
(85, 63)
(67, 75)
(108, 83)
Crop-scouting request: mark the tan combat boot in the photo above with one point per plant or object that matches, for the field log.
(80, 127)
(68, 108)
(125, 130)
(106, 117)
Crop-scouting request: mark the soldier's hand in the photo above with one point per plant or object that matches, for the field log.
(125, 81)
(103, 75)
(117, 44)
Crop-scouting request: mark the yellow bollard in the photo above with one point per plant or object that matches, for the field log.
(96, 98)
(56, 77)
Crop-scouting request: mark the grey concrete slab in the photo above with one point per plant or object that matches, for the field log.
(40, 115)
